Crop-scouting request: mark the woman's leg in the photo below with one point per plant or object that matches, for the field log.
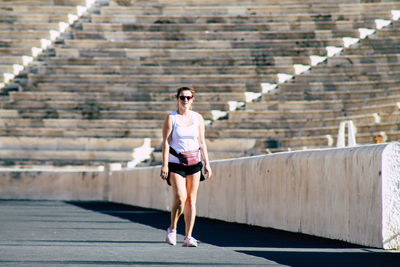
(192, 186)
(178, 184)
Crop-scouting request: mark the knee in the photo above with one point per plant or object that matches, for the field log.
(191, 201)
(180, 200)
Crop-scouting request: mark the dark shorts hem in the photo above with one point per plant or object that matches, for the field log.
(184, 170)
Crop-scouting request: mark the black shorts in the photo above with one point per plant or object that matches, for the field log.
(185, 170)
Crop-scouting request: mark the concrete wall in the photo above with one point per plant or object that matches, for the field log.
(350, 194)
(53, 185)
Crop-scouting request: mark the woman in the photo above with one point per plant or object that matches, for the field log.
(183, 131)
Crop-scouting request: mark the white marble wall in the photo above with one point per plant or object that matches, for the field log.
(350, 194)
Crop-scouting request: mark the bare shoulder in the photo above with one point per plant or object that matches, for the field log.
(199, 116)
(168, 117)
(168, 120)
(200, 120)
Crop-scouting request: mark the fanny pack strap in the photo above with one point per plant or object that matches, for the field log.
(173, 152)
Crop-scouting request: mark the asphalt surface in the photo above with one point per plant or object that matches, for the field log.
(57, 233)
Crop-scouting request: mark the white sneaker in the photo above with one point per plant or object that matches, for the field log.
(171, 237)
(189, 242)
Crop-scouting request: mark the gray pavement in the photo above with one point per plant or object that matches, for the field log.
(56, 233)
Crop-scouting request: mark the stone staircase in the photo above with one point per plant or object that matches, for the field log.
(360, 84)
(25, 26)
(99, 93)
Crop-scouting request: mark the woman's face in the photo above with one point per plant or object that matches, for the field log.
(185, 99)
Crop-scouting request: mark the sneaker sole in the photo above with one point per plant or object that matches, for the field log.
(170, 243)
(189, 246)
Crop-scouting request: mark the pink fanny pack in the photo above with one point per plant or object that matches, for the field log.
(186, 158)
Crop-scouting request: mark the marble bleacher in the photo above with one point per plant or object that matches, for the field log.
(103, 88)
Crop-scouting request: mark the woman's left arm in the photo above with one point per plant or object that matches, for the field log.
(203, 148)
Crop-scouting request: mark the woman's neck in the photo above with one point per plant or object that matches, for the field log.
(183, 111)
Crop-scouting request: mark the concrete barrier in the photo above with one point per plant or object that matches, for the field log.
(349, 194)
(52, 185)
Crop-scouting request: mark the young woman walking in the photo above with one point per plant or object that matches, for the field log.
(184, 148)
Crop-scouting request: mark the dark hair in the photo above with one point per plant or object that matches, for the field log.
(184, 88)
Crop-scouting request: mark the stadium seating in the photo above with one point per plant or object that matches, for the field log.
(103, 88)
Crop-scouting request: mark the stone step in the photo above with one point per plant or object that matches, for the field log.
(18, 43)
(253, 18)
(212, 35)
(51, 165)
(80, 124)
(26, 34)
(330, 141)
(349, 76)
(305, 94)
(13, 17)
(218, 155)
(201, 44)
(232, 60)
(71, 157)
(356, 68)
(8, 113)
(364, 119)
(152, 79)
(28, 26)
(248, 9)
(94, 106)
(218, 3)
(393, 136)
(357, 59)
(163, 70)
(10, 59)
(123, 144)
(300, 143)
(259, 23)
(40, 9)
(140, 88)
(251, 115)
(81, 132)
(395, 24)
(381, 45)
(293, 133)
(343, 104)
(94, 115)
(112, 144)
(246, 26)
(122, 96)
(312, 114)
(370, 50)
(15, 51)
(6, 3)
(372, 108)
(289, 54)
(230, 144)
(339, 86)
(381, 41)
(6, 68)
(388, 32)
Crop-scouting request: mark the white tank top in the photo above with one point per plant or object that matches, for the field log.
(184, 138)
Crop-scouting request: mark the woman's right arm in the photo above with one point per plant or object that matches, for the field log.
(166, 132)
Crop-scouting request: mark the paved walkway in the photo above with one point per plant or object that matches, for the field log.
(56, 233)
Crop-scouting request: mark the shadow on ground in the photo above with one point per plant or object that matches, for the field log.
(283, 247)
(334, 259)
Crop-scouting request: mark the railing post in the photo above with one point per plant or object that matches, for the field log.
(351, 134)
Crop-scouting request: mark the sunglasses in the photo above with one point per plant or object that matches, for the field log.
(182, 97)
